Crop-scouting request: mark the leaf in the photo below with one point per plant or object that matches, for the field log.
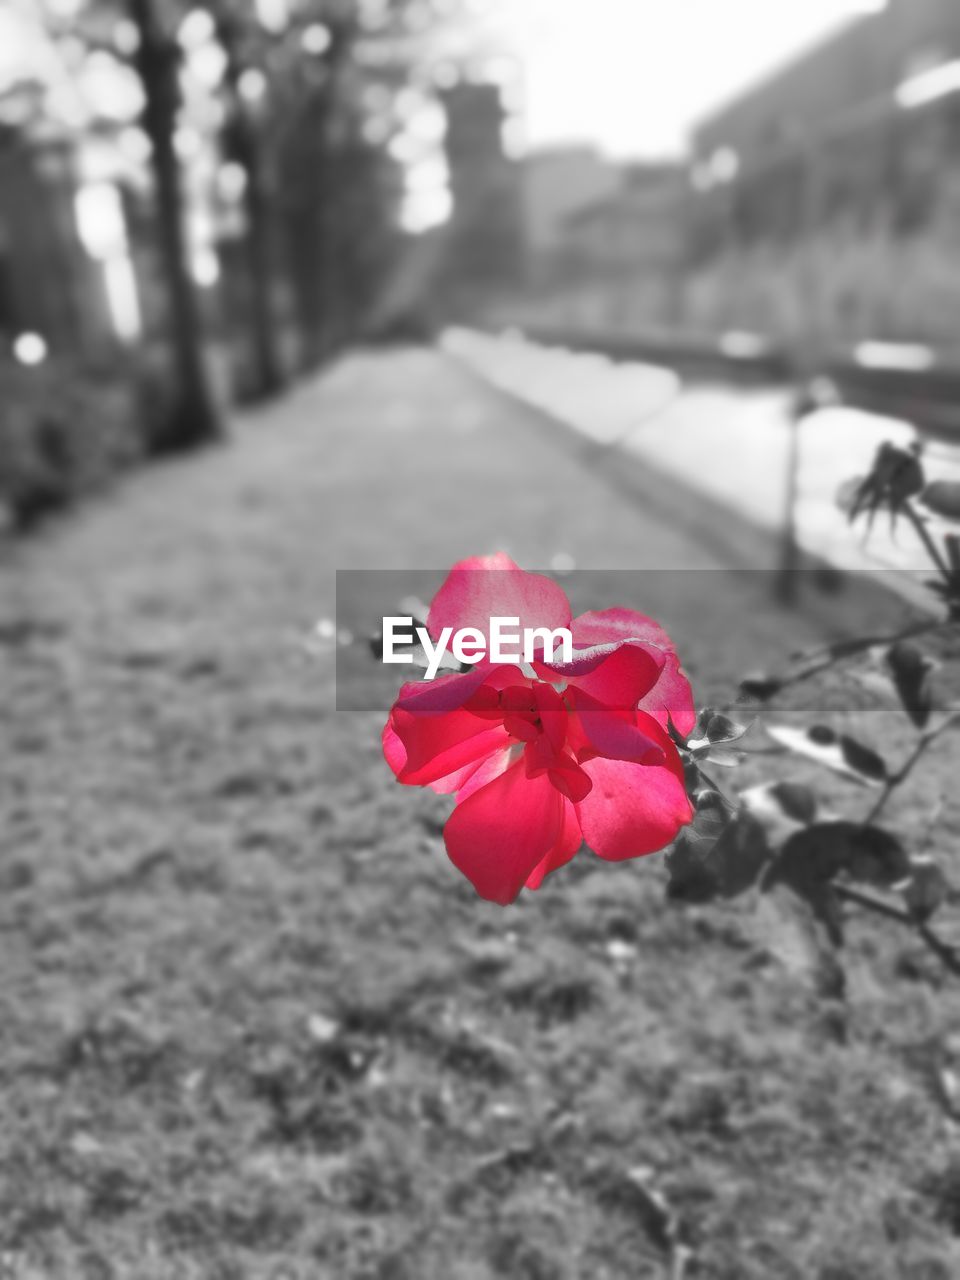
(943, 498)
(819, 853)
(760, 688)
(713, 815)
(714, 729)
(692, 777)
(689, 879)
(896, 476)
(911, 670)
(796, 800)
(704, 864)
(724, 759)
(926, 890)
(839, 752)
(781, 808)
(862, 759)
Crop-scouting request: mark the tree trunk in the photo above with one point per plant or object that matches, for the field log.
(194, 419)
(305, 176)
(244, 146)
(259, 244)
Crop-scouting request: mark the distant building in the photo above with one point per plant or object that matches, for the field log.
(861, 65)
(637, 227)
(558, 183)
(824, 199)
(485, 239)
(633, 244)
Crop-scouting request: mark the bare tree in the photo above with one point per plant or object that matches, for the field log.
(194, 419)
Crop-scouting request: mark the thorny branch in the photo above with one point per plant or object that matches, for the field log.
(924, 743)
(947, 954)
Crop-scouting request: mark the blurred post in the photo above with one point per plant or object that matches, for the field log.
(194, 419)
(785, 588)
(807, 360)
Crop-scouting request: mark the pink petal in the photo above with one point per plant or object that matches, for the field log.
(437, 746)
(477, 773)
(489, 769)
(612, 734)
(520, 727)
(393, 749)
(617, 675)
(567, 847)
(633, 809)
(455, 782)
(571, 780)
(485, 587)
(612, 626)
(434, 697)
(671, 696)
(561, 767)
(498, 834)
(553, 714)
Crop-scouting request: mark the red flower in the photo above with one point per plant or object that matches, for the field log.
(542, 762)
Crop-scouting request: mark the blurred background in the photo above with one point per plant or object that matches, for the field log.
(199, 203)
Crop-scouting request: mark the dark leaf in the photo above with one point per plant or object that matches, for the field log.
(760, 688)
(863, 760)
(797, 801)
(781, 808)
(896, 476)
(820, 853)
(911, 669)
(692, 777)
(689, 879)
(704, 864)
(839, 752)
(926, 890)
(713, 815)
(714, 729)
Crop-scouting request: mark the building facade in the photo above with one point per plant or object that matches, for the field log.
(824, 205)
(484, 241)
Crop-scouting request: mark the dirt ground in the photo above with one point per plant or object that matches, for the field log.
(255, 1025)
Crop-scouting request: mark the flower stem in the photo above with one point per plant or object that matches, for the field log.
(823, 659)
(933, 551)
(945, 953)
(897, 779)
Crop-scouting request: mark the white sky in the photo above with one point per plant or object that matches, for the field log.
(633, 75)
